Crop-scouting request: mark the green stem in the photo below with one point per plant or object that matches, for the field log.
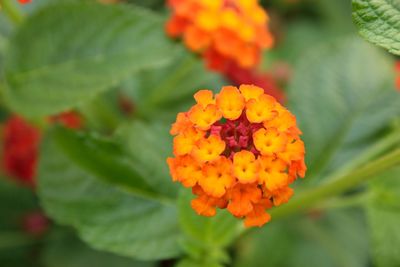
(375, 150)
(343, 183)
(12, 11)
(345, 202)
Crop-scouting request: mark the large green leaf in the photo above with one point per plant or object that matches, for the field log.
(324, 240)
(108, 161)
(383, 217)
(379, 22)
(81, 192)
(342, 94)
(63, 249)
(149, 145)
(68, 52)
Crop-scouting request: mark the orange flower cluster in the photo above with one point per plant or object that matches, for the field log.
(224, 32)
(239, 150)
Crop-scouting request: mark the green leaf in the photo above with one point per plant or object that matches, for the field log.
(69, 52)
(383, 218)
(170, 89)
(105, 215)
(342, 94)
(65, 250)
(149, 145)
(108, 161)
(325, 240)
(379, 22)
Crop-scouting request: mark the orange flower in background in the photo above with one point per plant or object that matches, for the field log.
(222, 31)
(24, 1)
(238, 150)
(397, 81)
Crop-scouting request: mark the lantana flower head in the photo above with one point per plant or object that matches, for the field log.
(224, 32)
(238, 150)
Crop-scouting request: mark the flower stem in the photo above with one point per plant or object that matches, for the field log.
(341, 184)
(375, 150)
(355, 200)
(12, 11)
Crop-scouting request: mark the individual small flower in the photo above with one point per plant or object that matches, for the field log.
(222, 31)
(69, 119)
(20, 149)
(243, 159)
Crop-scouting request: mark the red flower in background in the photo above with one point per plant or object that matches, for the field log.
(238, 75)
(35, 223)
(24, 1)
(69, 119)
(20, 149)
(21, 142)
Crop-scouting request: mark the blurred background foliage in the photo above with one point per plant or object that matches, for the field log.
(106, 189)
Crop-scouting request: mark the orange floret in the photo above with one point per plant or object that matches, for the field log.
(261, 109)
(185, 170)
(242, 198)
(269, 142)
(231, 102)
(182, 123)
(283, 122)
(258, 216)
(282, 195)
(208, 149)
(294, 151)
(204, 204)
(196, 39)
(203, 118)
(239, 151)
(218, 177)
(251, 91)
(272, 173)
(227, 30)
(185, 141)
(245, 167)
(204, 98)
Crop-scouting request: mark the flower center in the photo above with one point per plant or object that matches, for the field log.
(237, 134)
